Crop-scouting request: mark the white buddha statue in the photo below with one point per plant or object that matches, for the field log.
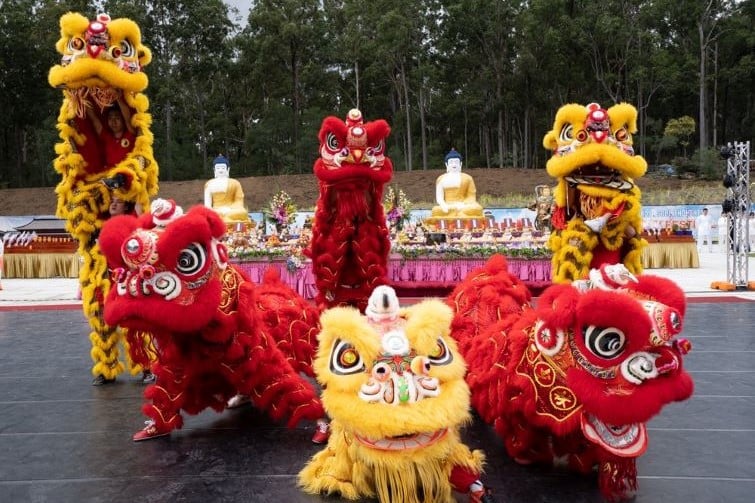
(225, 195)
(455, 192)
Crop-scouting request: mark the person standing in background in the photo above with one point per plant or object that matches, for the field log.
(723, 232)
(703, 225)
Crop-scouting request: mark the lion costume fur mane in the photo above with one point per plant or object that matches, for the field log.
(217, 333)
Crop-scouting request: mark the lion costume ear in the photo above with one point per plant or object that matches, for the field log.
(71, 24)
(557, 306)
(661, 290)
(549, 141)
(216, 224)
(145, 56)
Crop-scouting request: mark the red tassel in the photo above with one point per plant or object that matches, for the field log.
(139, 347)
(618, 479)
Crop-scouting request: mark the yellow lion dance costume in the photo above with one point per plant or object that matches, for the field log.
(394, 387)
(597, 217)
(101, 65)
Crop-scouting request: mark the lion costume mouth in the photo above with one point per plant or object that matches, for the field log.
(599, 175)
(403, 442)
(626, 441)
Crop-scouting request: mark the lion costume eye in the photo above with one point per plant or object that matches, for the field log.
(440, 354)
(604, 342)
(191, 260)
(332, 143)
(76, 44)
(127, 49)
(622, 135)
(567, 133)
(344, 359)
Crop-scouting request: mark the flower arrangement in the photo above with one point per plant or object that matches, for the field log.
(296, 260)
(396, 206)
(281, 210)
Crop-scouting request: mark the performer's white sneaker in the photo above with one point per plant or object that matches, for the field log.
(237, 401)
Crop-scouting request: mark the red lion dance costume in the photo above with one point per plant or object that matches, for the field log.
(350, 243)
(575, 379)
(217, 334)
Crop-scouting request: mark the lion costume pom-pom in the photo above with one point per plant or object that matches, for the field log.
(394, 388)
(597, 214)
(217, 333)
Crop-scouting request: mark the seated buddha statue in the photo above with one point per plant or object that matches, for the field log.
(225, 195)
(455, 193)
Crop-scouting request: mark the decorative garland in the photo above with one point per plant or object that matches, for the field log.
(456, 252)
(295, 260)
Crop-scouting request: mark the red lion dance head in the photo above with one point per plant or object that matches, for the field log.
(576, 378)
(216, 333)
(350, 242)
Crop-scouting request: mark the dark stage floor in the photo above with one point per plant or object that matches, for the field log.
(62, 440)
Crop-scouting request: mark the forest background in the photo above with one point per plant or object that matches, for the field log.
(483, 76)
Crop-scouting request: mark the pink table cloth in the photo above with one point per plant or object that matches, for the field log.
(405, 273)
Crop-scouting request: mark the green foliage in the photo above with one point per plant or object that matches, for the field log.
(685, 166)
(681, 128)
(467, 251)
(483, 76)
(709, 164)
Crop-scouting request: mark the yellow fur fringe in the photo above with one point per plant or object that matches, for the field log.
(82, 197)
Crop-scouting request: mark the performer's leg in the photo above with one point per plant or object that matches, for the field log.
(275, 387)
(165, 403)
(464, 480)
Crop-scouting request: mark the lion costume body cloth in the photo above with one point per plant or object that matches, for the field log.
(395, 391)
(102, 60)
(573, 381)
(217, 333)
(350, 242)
(597, 215)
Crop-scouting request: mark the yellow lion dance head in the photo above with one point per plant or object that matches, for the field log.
(597, 217)
(103, 53)
(102, 62)
(394, 387)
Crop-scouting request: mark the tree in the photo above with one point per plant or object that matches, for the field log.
(282, 39)
(682, 129)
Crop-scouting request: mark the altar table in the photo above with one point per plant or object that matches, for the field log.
(41, 265)
(419, 273)
(671, 255)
